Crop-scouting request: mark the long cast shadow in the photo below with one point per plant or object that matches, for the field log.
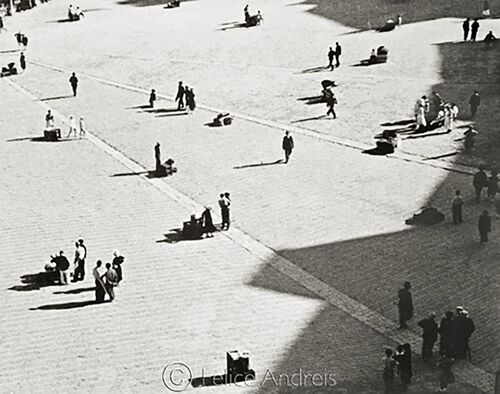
(261, 164)
(68, 305)
(36, 281)
(76, 291)
(54, 98)
(308, 119)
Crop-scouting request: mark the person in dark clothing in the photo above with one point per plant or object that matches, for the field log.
(489, 40)
(152, 98)
(338, 52)
(208, 224)
(158, 156)
(331, 54)
(469, 328)
(479, 182)
(180, 96)
(118, 260)
(100, 290)
(80, 256)
(466, 28)
(474, 102)
(74, 83)
(484, 226)
(62, 265)
(22, 61)
(403, 358)
(492, 186)
(456, 208)
(405, 305)
(446, 375)
(190, 101)
(458, 335)
(445, 334)
(429, 335)
(474, 30)
(330, 103)
(287, 145)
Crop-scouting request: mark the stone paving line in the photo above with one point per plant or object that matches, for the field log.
(466, 372)
(401, 155)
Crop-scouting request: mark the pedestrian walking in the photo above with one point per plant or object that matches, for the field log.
(492, 187)
(100, 290)
(479, 182)
(403, 359)
(466, 28)
(207, 222)
(388, 374)
(338, 52)
(62, 265)
(474, 102)
(287, 145)
(429, 335)
(330, 103)
(446, 375)
(152, 98)
(445, 334)
(473, 30)
(456, 208)
(484, 226)
(111, 279)
(22, 61)
(118, 260)
(331, 55)
(73, 80)
(72, 126)
(158, 156)
(405, 305)
(180, 96)
(82, 127)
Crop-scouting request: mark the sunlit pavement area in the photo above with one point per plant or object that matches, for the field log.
(307, 277)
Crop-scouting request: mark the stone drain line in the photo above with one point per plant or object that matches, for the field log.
(466, 372)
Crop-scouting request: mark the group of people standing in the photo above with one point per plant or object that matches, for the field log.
(334, 54)
(185, 93)
(106, 279)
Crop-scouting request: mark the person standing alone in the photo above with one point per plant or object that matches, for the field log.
(287, 145)
(405, 305)
(74, 83)
(484, 226)
(474, 102)
(22, 61)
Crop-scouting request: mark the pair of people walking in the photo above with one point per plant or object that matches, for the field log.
(473, 28)
(334, 54)
(76, 129)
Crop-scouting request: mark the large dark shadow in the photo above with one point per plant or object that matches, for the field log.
(42, 139)
(361, 14)
(76, 291)
(36, 281)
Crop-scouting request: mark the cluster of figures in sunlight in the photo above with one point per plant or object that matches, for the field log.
(74, 13)
(59, 271)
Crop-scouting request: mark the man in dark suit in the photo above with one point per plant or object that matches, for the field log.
(180, 96)
(338, 52)
(405, 305)
(465, 28)
(287, 145)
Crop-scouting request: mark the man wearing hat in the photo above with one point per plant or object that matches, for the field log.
(429, 335)
(458, 332)
(405, 305)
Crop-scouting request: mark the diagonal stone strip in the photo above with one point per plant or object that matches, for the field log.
(409, 157)
(466, 372)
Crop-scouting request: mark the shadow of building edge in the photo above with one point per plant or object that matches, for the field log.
(464, 283)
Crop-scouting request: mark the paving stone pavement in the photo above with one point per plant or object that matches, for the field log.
(341, 230)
